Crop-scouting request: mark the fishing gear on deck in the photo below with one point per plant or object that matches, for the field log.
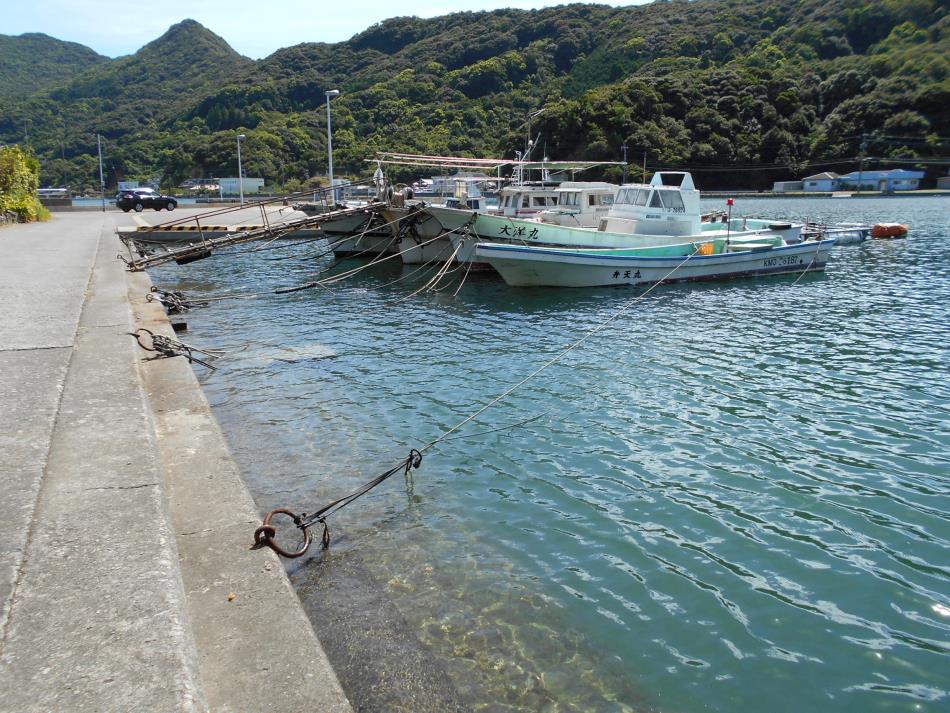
(166, 347)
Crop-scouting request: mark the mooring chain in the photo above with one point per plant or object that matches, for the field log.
(174, 302)
(266, 534)
(165, 347)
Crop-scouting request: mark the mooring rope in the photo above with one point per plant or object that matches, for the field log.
(266, 534)
(350, 273)
(464, 278)
(813, 259)
(430, 285)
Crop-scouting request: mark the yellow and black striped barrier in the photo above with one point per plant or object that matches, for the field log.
(196, 229)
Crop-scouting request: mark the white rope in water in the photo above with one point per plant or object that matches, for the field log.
(557, 357)
(430, 285)
(349, 273)
(808, 267)
(464, 278)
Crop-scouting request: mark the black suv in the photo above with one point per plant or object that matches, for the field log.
(138, 199)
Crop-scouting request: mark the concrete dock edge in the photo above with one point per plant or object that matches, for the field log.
(256, 647)
(127, 582)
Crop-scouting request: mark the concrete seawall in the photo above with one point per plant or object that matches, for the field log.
(126, 578)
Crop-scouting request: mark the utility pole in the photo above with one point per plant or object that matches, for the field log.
(240, 138)
(624, 147)
(102, 180)
(330, 94)
(864, 148)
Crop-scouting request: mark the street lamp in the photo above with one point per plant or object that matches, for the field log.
(240, 138)
(330, 93)
(530, 117)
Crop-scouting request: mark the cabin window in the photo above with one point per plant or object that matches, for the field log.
(525, 202)
(655, 201)
(539, 201)
(591, 200)
(642, 197)
(673, 200)
(552, 200)
(606, 200)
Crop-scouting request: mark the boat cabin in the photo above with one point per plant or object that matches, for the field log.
(581, 204)
(668, 205)
(526, 200)
(466, 195)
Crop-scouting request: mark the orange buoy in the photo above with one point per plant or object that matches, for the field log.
(888, 230)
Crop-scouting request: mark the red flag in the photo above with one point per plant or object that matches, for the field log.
(729, 201)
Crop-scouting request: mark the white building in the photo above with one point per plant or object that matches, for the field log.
(788, 187)
(232, 187)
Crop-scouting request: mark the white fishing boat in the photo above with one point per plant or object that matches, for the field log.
(716, 259)
(428, 240)
(843, 233)
(664, 212)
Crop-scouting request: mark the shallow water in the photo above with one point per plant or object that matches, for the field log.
(735, 497)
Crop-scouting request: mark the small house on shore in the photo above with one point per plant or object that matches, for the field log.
(826, 182)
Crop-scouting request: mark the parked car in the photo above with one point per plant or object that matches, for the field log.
(138, 199)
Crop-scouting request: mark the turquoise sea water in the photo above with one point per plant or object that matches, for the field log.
(736, 497)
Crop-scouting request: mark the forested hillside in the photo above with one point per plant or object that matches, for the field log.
(743, 92)
(34, 61)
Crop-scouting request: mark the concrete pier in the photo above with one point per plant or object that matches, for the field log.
(126, 579)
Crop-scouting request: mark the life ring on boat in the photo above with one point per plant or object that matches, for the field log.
(888, 230)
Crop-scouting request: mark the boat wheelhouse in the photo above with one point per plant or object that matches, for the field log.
(581, 204)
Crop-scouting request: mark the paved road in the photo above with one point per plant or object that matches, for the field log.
(126, 582)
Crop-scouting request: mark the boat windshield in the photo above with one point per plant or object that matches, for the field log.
(672, 200)
(627, 196)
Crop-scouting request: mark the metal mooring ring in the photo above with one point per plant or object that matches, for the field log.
(266, 534)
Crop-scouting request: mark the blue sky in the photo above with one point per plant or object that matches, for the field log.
(255, 29)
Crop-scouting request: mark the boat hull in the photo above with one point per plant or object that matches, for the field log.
(436, 238)
(361, 234)
(498, 229)
(425, 240)
(537, 267)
